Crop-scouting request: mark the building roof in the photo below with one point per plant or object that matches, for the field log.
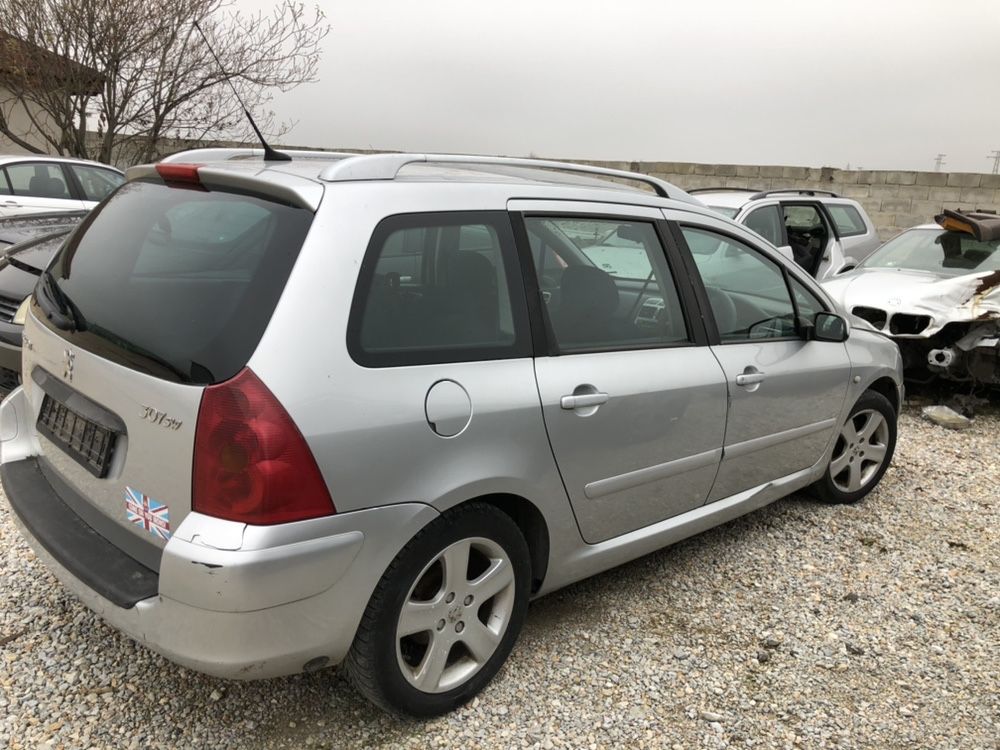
(26, 65)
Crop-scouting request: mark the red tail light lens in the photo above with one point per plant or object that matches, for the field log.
(251, 463)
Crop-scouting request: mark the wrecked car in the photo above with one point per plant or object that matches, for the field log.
(935, 289)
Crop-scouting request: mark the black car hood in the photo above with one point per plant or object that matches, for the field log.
(17, 229)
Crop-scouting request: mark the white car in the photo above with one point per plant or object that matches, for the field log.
(31, 183)
(936, 292)
(823, 232)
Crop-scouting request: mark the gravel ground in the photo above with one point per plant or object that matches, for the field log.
(799, 626)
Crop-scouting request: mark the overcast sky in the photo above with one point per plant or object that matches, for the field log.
(878, 84)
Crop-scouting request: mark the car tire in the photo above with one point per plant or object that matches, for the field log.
(862, 452)
(434, 635)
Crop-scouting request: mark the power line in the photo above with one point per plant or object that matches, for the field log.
(939, 162)
(995, 156)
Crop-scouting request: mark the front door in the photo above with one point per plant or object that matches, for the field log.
(634, 402)
(785, 393)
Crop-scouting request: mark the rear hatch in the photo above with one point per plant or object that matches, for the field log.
(164, 290)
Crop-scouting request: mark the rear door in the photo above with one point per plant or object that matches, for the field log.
(36, 186)
(785, 393)
(633, 401)
(813, 239)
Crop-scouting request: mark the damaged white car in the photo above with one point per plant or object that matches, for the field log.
(935, 289)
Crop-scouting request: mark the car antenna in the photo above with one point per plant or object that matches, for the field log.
(269, 153)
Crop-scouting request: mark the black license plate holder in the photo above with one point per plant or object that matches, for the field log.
(88, 443)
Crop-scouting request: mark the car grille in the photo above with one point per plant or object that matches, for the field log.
(872, 314)
(906, 324)
(8, 307)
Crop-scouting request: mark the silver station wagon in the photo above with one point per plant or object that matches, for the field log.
(361, 409)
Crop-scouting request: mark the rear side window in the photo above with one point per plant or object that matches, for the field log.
(847, 219)
(179, 283)
(439, 287)
(615, 292)
(767, 223)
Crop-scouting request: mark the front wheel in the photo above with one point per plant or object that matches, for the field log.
(445, 615)
(862, 452)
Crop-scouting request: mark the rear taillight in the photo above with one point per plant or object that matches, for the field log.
(251, 463)
(180, 175)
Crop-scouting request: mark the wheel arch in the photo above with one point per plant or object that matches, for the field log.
(886, 386)
(531, 522)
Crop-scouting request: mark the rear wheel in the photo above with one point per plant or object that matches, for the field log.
(862, 452)
(445, 615)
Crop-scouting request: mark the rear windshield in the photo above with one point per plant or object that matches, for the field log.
(176, 282)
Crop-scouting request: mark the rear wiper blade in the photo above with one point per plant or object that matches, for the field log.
(58, 307)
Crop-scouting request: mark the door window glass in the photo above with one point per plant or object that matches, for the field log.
(97, 183)
(848, 220)
(437, 291)
(38, 180)
(606, 285)
(766, 222)
(746, 291)
(805, 300)
(4, 185)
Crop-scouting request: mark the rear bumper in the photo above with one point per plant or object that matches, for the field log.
(227, 599)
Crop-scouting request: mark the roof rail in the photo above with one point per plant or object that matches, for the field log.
(793, 191)
(387, 166)
(230, 154)
(719, 190)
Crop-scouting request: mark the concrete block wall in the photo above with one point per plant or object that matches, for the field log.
(895, 200)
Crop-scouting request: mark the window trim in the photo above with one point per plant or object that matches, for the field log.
(544, 340)
(500, 222)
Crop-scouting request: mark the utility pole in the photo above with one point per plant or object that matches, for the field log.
(939, 162)
(995, 156)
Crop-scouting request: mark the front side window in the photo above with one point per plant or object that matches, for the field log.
(97, 183)
(746, 291)
(38, 180)
(766, 222)
(436, 288)
(611, 288)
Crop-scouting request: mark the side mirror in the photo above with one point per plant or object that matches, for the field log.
(828, 326)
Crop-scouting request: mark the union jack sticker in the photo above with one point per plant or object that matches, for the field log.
(144, 511)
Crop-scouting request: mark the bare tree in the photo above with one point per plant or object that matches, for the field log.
(114, 79)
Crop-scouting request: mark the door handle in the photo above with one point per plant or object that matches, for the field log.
(582, 400)
(11, 203)
(750, 376)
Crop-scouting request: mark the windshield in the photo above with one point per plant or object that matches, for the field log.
(729, 213)
(937, 251)
(179, 283)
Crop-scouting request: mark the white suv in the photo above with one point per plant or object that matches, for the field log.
(32, 184)
(821, 231)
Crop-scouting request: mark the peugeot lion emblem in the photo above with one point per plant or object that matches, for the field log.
(68, 358)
